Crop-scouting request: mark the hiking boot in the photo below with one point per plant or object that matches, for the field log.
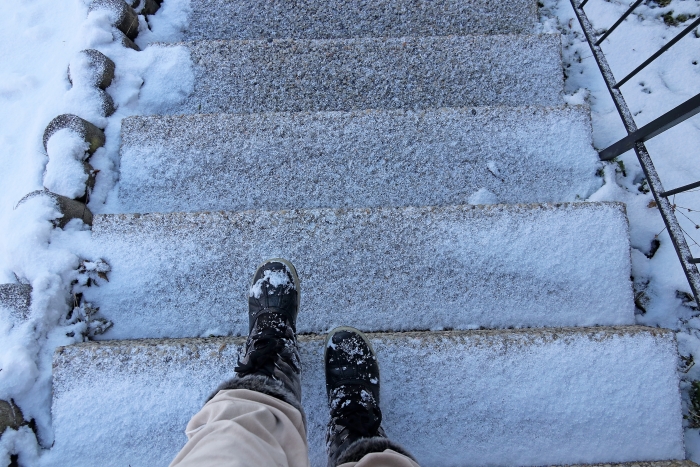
(271, 363)
(352, 386)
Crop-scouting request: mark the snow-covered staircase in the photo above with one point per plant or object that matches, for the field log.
(355, 139)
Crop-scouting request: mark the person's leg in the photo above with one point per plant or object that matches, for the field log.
(256, 418)
(355, 436)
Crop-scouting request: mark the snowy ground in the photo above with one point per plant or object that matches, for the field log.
(41, 38)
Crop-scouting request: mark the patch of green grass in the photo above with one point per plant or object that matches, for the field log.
(620, 167)
(670, 20)
(644, 186)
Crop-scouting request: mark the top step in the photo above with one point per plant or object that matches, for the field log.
(342, 19)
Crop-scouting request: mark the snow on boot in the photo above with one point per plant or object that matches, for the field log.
(271, 363)
(352, 386)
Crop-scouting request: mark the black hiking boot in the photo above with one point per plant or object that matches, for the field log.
(271, 363)
(352, 386)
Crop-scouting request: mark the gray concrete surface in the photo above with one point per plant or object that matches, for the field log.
(323, 19)
(15, 300)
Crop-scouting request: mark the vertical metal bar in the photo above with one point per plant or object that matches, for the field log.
(619, 21)
(608, 76)
(663, 203)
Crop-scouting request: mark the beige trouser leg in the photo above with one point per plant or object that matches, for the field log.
(245, 428)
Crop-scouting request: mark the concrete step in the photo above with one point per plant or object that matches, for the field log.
(509, 398)
(355, 159)
(374, 73)
(388, 269)
(341, 19)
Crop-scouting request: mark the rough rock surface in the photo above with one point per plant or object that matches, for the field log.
(15, 299)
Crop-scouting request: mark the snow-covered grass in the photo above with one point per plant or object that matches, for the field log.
(662, 294)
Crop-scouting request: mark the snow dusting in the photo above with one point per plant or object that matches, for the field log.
(275, 278)
(483, 196)
(662, 294)
(382, 268)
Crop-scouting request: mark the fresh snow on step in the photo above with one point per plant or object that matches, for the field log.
(327, 19)
(389, 269)
(374, 73)
(355, 159)
(511, 398)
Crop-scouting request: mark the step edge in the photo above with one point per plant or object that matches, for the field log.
(554, 333)
(573, 108)
(100, 220)
(514, 36)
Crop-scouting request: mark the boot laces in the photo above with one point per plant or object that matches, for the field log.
(275, 341)
(354, 409)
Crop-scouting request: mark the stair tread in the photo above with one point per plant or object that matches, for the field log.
(355, 159)
(187, 274)
(373, 73)
(527, 397)
(324, 19)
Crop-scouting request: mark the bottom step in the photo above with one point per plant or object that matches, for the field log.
(524, 397)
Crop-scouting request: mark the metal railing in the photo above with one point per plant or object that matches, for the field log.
(637, 136)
